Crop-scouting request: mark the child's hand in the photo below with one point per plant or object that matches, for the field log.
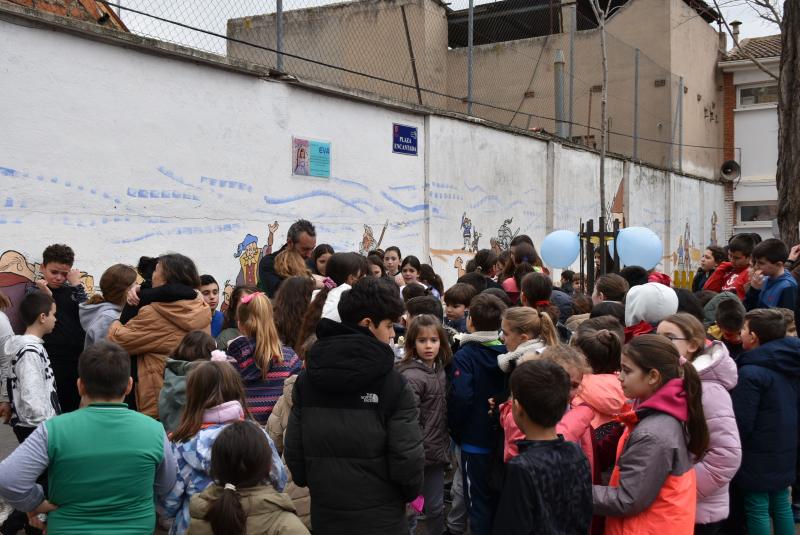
(133, 295)
(318, 285)
(41, 284)
(492, 406)
(5, 412)
(757, 279)
(74, 276)
(794, 254)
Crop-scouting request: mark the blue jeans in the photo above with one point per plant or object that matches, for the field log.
(481, 501)
(760, 507)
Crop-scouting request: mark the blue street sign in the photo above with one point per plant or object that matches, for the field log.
(404, 139)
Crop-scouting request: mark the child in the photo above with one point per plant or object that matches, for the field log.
(537, 290)
(260, 358)
(765, 403)
(230, 329)
(771, 286)
(456, 305)
(427, 354)
(343, 269)
(712, 257)
(290, 306)
(610, 287)
(600, 339)
(567, 277)
(788, 317)
(319, 259)
(106, 464)
(727, 328)
(732, 276)
(98, 313)
(353, 436)
(209, 289)
(410, 269)
(525, 260)
(475, 377)
(645, 306)
(718, 375)
(242, 500)
(214, 399)
(391, 261)
(524, 330)
(195, 346)
(485, 262)
(428, 277)
(32, 387)
(575, 425)
(652, 487)
(547, 486)
(65, 343)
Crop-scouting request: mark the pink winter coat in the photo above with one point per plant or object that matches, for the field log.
(715, 470)
(603, 393)
(574, 425)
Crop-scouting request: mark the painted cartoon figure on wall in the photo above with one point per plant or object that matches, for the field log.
(466, 226)
(368, 242)
(504, 234)
(714, 221)
(476, 236)
(226, 295)
(249, 255)
(459, 265)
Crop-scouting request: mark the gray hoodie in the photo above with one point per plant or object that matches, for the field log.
(96, 319)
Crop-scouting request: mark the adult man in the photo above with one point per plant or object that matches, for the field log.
(105, 462)
(302, 238)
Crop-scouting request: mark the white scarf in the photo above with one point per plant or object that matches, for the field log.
(507, 361)
(478, 336)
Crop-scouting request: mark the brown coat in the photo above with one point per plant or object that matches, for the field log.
(276, 427)
(152, 335)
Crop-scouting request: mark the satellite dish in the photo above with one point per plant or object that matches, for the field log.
(730, 171)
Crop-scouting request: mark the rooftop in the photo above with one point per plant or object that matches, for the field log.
(755, 47)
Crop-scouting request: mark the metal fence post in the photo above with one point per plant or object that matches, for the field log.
(558, 80)
(469, 55)
(279, 34)
(636, 107)
(572, 27)
(680, 126)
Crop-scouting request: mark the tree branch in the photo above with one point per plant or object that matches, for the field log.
(747, 54)
(772, 15)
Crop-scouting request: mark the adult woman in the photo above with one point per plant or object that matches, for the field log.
(160, 326)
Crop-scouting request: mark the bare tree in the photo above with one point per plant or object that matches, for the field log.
(602, 14)
(787, 178)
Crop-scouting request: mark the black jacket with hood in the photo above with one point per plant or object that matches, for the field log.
(353, 436)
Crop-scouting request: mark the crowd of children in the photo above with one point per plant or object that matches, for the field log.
(359, 395)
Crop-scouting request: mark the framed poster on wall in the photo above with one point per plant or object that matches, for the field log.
(311, 157)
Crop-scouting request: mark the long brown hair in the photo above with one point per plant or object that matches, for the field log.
(241, 457)
(290, 263)
(290, 305)
(425, 321)
(256, 321)
(655, 352)
(536, 324)
(208, 384)
(691, 329)
(114, 284)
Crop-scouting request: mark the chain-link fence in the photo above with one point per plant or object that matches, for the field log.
(533, 64)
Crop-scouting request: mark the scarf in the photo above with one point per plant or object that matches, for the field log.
(508, 361)
(480, 337)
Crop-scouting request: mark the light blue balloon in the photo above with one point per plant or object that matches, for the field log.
(639, 246)
(560, 248)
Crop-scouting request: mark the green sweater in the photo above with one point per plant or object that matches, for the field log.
(103, 462)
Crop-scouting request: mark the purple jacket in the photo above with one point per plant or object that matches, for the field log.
(715, 470)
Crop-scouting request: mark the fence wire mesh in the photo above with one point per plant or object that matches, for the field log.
(416, 51)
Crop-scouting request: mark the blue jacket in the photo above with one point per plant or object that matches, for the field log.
(778, 291)
(765, 402)
(474, 378)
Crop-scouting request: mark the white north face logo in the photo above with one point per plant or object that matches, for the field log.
(370, 398)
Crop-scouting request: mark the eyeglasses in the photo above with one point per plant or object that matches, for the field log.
(672, 337)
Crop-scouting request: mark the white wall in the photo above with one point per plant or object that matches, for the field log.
(121, 154)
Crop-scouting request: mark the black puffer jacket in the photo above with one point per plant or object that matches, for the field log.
(353, 436)
(430, 389)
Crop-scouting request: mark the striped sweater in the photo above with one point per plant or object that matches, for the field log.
(262, 394)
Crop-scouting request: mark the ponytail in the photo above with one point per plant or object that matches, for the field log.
(655, 352)
(312, 316)
(549, 333)
(600, 339)
(225, 514)
(696, 425)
